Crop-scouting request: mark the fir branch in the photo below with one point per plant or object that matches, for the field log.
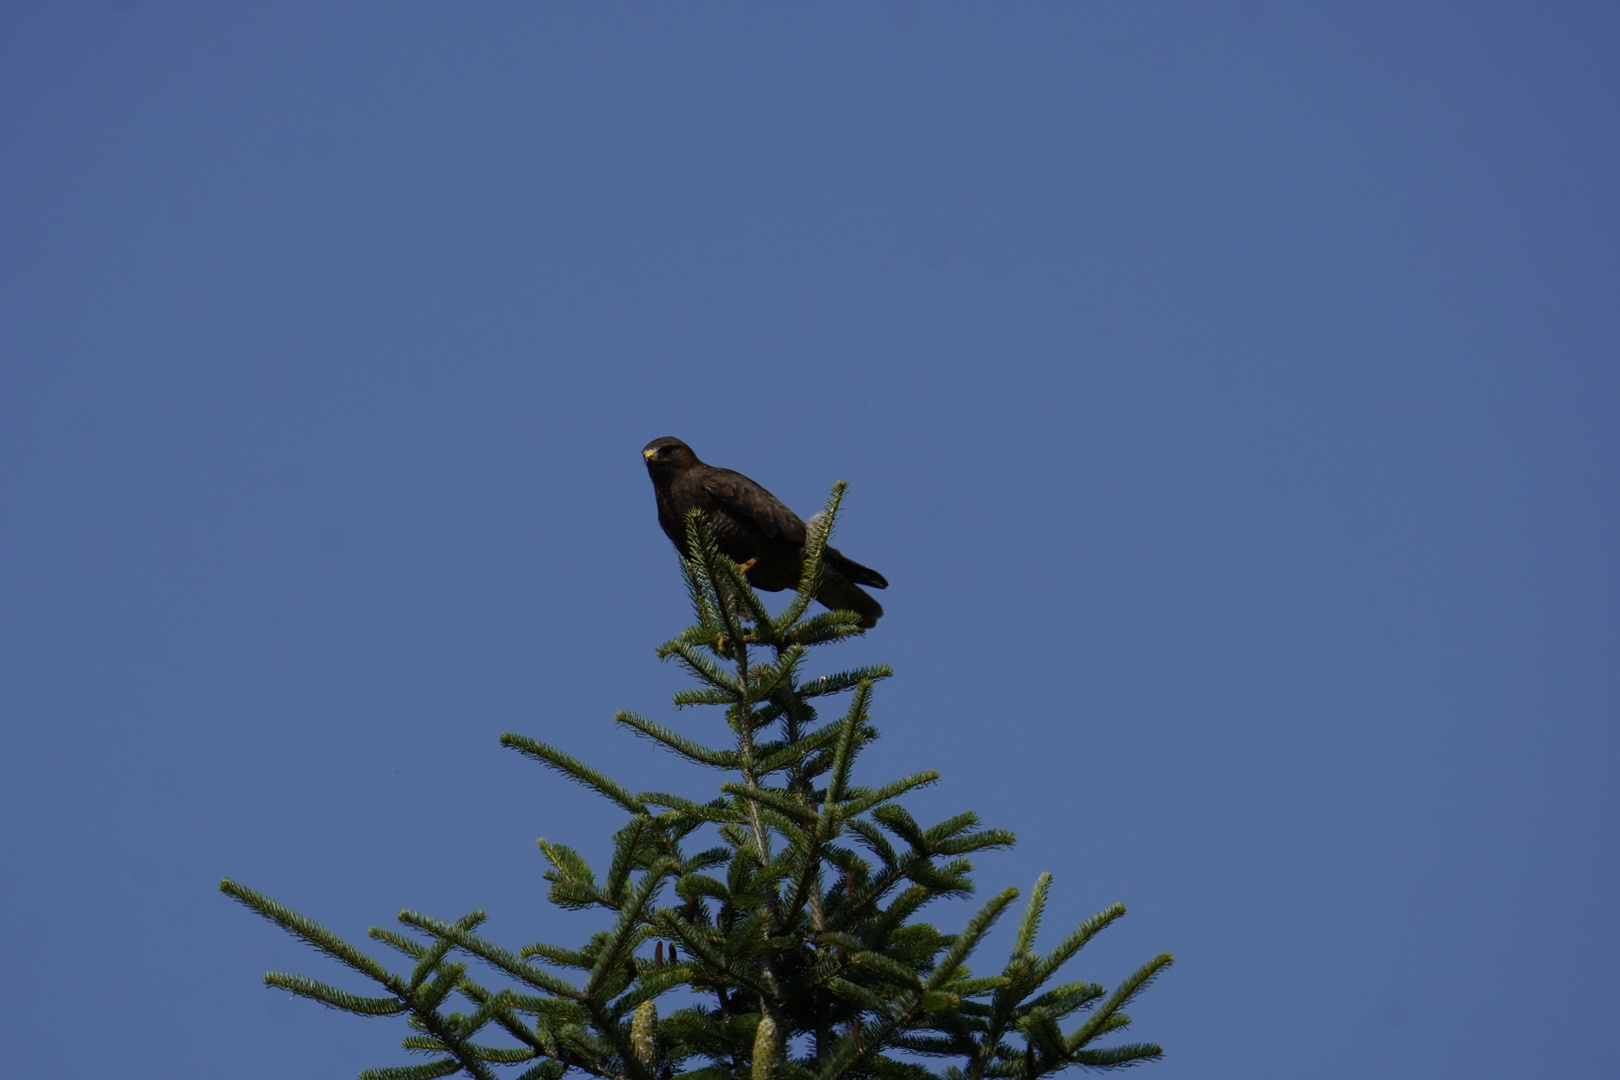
(1063, 1000)
(903, 907)
(868, 1000)
(706, 859)
(951, 837)
(792, 753)
(748, 602)
(983, 840)
(1031, 922)
(572, 768)
(844, 680)
(871, 837)
(705, 668)
(490, 1006)
(499, 1007)
(692, 751)
(719, 812)
(546, 1070)
(701, 885)
(425, 1016)
(699, 592)
(812, 571)
(434, 954)
(898, 820)
(798, 834)
(932, 1045)
(849, 1057)
(775, 798)
(893, 970)
(501, 1055)
(446, 980)
(333, 997)
(494, 955)
(556, 954)
(430, 1071)
(1128, 989)
(712, 566)
(1044, 1034)
(696, 943)
(968, 939)
(844, 755)
(703, 635)
(948, 879)
(826, 627)
(1115, 1056)
(893, 790)
(1074, 942)
(770, 679)
(619, 938)
(685, 698)
(569, 866)
(398, 942)
(653, 984)
(311, 931)
(627, 851)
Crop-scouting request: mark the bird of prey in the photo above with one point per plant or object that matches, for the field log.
(752, 528)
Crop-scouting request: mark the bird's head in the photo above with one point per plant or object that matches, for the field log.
(668, 455)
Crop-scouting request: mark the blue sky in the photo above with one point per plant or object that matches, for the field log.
(1227, 390)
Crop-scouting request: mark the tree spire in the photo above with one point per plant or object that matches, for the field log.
(789, 902)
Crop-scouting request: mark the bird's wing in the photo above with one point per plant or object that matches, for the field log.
(749, 501)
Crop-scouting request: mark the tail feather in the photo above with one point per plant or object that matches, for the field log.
(854, 571)
(841, 594)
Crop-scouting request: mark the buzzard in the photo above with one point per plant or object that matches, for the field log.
(752, 528)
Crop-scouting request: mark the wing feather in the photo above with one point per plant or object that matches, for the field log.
(751, 502)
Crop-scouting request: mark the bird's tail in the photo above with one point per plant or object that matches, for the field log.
(841, 594)
(860, 575)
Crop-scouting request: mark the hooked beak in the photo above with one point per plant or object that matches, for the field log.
(649, 454)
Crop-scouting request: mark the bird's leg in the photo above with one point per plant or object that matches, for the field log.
(747, 566)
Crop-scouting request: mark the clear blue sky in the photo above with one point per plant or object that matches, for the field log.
(1228, 390)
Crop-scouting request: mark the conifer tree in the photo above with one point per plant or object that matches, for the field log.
(777, 922)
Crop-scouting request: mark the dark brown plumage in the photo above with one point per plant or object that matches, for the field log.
(752, 527)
